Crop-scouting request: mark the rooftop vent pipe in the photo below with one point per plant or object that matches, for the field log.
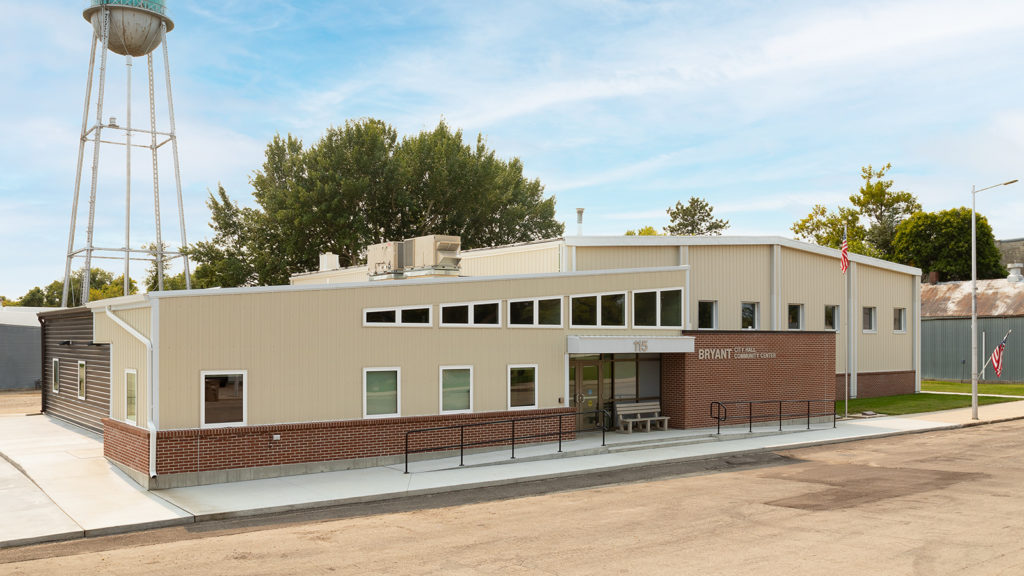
(1015, 275)
(579, 221)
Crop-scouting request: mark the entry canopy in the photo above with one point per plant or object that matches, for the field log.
(628, 344)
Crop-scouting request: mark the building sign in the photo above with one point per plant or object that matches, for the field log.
(734, 353)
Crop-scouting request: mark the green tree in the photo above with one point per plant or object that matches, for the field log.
(694, 219)
(643, 231)
(112, 289)
(871, 221)
(34, 297)
(360, 185)
(941, 242)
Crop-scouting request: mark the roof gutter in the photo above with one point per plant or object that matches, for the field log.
(149, 385)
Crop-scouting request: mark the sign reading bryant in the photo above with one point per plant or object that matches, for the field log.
(734, 353)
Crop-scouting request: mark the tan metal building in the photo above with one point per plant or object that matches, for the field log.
(332, 371)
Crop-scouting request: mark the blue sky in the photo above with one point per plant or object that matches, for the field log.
(764, 108)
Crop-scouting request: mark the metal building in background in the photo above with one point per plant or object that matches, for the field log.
(129, 28)
(946, 328)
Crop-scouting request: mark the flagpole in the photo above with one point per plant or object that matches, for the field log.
(846, 304)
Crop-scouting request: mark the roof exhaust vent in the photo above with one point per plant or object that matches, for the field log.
(579, 221)
(1015, 276)
(329, 261)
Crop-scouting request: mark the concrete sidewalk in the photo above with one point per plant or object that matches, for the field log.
(55, 483)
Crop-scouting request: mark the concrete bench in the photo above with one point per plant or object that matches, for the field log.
(643, 413)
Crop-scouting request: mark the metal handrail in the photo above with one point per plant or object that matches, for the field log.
(720, 411)
(158, 6)
(605, 416)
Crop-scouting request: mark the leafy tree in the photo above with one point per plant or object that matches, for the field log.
(941, 242)
(643, 231)
(112, 289)
(103, 285)
(34, 297)
(694, 219)
(360, 185)
(876, 203)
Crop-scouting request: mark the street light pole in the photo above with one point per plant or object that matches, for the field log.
(974, 301)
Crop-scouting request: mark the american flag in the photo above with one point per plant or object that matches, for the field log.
(844, 254)
(997, 358)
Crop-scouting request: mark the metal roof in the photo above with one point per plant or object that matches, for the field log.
(953, 299)
(21, 315)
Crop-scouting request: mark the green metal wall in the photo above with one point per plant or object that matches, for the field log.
(946, 348)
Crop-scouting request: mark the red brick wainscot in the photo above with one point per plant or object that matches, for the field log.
(748, 365)
(210, 449)
(875, 384)
(126, 444)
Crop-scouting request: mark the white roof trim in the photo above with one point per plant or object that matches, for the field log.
(735, 241)
(628, 344)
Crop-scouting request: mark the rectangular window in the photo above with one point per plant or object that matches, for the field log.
(831, 317)
(707, 315)
(131, 396)
(224, 399)
(382, 392)
(535, 312)
(471, 314)
(899, 320)
(522, 386)
(795, 317)
(401, 316)
(662, 308)
(55, 376)
(81, 380)
(604, 310)
(456, 388)
(749, 317)
(869, 319)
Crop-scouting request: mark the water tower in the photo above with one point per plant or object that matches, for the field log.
(130, 28)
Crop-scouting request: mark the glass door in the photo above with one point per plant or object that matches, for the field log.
(585, 392)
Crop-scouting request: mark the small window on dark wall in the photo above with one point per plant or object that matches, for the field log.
(55, 376)
(81, 379)
(223, 398)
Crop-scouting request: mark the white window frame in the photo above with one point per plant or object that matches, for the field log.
(440, 389)
(874, 320)
(657, 307)
(835, 318)
(82, 382)
(800, 323)
(398, 316)
(471, 323)
(55, 375)
(398, 391)
(757, 315)
(714, 314)
(600, 321)
(202, 398)
(903, 321)
(128, 371)
(536, 385)
(536, 312)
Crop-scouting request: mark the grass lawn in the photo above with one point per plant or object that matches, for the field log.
(913, 403)
(983, 388)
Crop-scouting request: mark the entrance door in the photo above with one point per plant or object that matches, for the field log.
(585, 392)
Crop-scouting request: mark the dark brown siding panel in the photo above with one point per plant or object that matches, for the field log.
(67, 336)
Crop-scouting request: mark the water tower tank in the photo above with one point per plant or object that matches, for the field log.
(134, 24)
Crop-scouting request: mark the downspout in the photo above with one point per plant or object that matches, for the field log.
(149, 386)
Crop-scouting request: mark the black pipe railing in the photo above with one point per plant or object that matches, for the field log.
(720, 411)
(600, 423)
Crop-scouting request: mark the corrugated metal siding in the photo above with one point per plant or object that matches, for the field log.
(731, 275)
(76, 326)
(19, 357)
(304, 351)
(538, 259)
(126, 353)
(885, 350)
(946, 348)
(625, 257)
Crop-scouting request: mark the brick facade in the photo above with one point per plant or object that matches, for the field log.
(126, 444)
(211, 449)
(875, 384)
(746, 365)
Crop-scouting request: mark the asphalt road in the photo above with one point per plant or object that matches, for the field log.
(936, 503)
